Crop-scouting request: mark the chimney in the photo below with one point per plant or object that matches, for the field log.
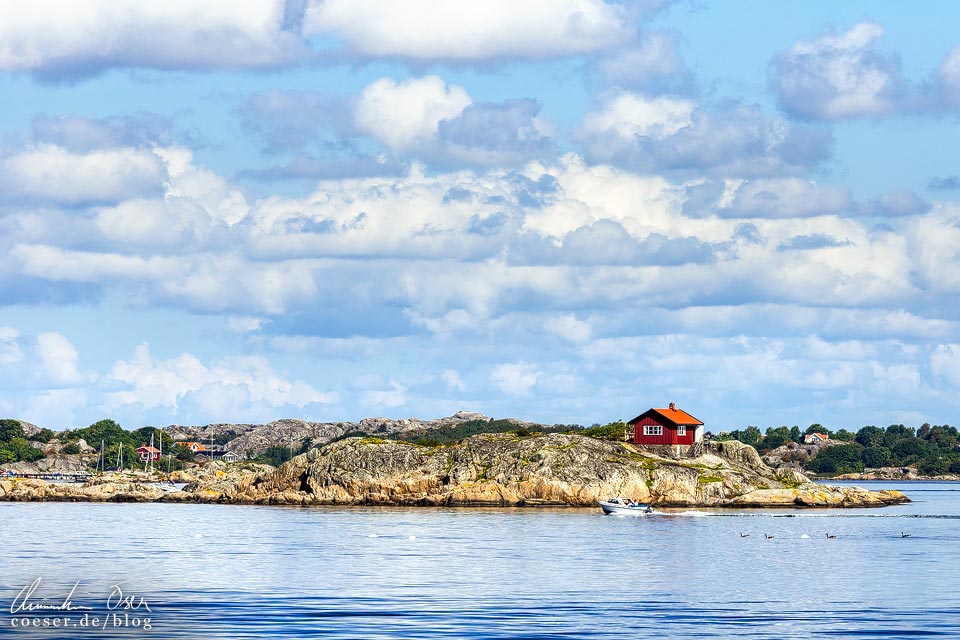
(672, 406)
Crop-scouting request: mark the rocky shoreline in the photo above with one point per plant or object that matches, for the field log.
(898, 474)
(484, 470)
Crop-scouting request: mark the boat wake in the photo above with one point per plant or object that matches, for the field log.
(921, 516)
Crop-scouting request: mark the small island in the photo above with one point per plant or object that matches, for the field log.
(463, 460)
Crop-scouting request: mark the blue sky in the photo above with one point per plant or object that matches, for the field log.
(563, 211)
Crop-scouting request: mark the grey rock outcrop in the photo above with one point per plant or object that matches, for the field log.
(72, 463)
(555, 469)
(255, 438)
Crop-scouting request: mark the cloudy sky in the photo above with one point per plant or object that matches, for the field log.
(558, 210)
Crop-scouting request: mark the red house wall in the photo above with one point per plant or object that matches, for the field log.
(669, 436)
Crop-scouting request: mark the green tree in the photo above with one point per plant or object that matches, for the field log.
(276, 455)
(796, 435)
(876, 456)
(906, 447)
(750, 436)
(44, 435)
(71, 447)
(776, 437)
(898, 432)
(839, 458)
(843, 435)
(20, 449)
(944, 437)
(933, 466)
(10, 429)
(612, 431)
(870, 436)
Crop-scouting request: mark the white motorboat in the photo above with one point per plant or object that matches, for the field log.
(624, 507)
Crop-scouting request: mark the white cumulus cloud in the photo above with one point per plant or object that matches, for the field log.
(515, 378)
(405, 114)
(395, 396)
(249, 380)
(10, 352)
(839, 76)
(64, 39)
(421, 30)
(453, 380)
(51, 174)
(58, 358)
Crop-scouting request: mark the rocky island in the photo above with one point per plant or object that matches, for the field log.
(491, 469)
(555, 469)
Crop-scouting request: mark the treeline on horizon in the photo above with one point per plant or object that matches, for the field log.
(106, 435)
(932, 449)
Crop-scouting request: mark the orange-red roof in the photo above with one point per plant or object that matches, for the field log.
(189, 445)
(149, 449)
(674, 415)
(678, 416)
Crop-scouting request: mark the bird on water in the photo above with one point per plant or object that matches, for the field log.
(904, 535)
(831, 535)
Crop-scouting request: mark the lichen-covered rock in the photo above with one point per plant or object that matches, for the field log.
(555, 469)
(72, 463)
(255, 438)
(40, 490)
(490, 469)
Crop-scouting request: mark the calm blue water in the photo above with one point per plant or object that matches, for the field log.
(250, 572)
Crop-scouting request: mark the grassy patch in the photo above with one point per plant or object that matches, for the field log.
(789, 484)
(709, 479)
(613, 431)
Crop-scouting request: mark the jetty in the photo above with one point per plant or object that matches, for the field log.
(79, 477)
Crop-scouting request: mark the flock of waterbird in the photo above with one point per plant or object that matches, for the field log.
(829, 535)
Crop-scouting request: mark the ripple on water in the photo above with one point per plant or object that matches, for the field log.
(474, 573)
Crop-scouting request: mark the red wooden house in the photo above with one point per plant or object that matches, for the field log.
(666, 427)
(147, 453)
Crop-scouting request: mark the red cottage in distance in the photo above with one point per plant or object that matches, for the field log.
(148, 453)
(666, 427)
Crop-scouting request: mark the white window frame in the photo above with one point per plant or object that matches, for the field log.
(681, 429)
(652, 430)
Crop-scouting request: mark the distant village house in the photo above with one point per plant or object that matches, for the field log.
(196, 447)
(216, 454)
(148, 453)
(815, 438)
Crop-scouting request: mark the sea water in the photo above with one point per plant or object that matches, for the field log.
(223, 571)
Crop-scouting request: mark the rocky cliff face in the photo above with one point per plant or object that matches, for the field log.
(54, 463)
(555, 469)
(255, 438)
(898, 474)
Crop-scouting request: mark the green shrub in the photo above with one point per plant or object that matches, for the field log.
(613, 431)
(71, 447)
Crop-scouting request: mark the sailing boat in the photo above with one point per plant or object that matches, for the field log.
(101, 465)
